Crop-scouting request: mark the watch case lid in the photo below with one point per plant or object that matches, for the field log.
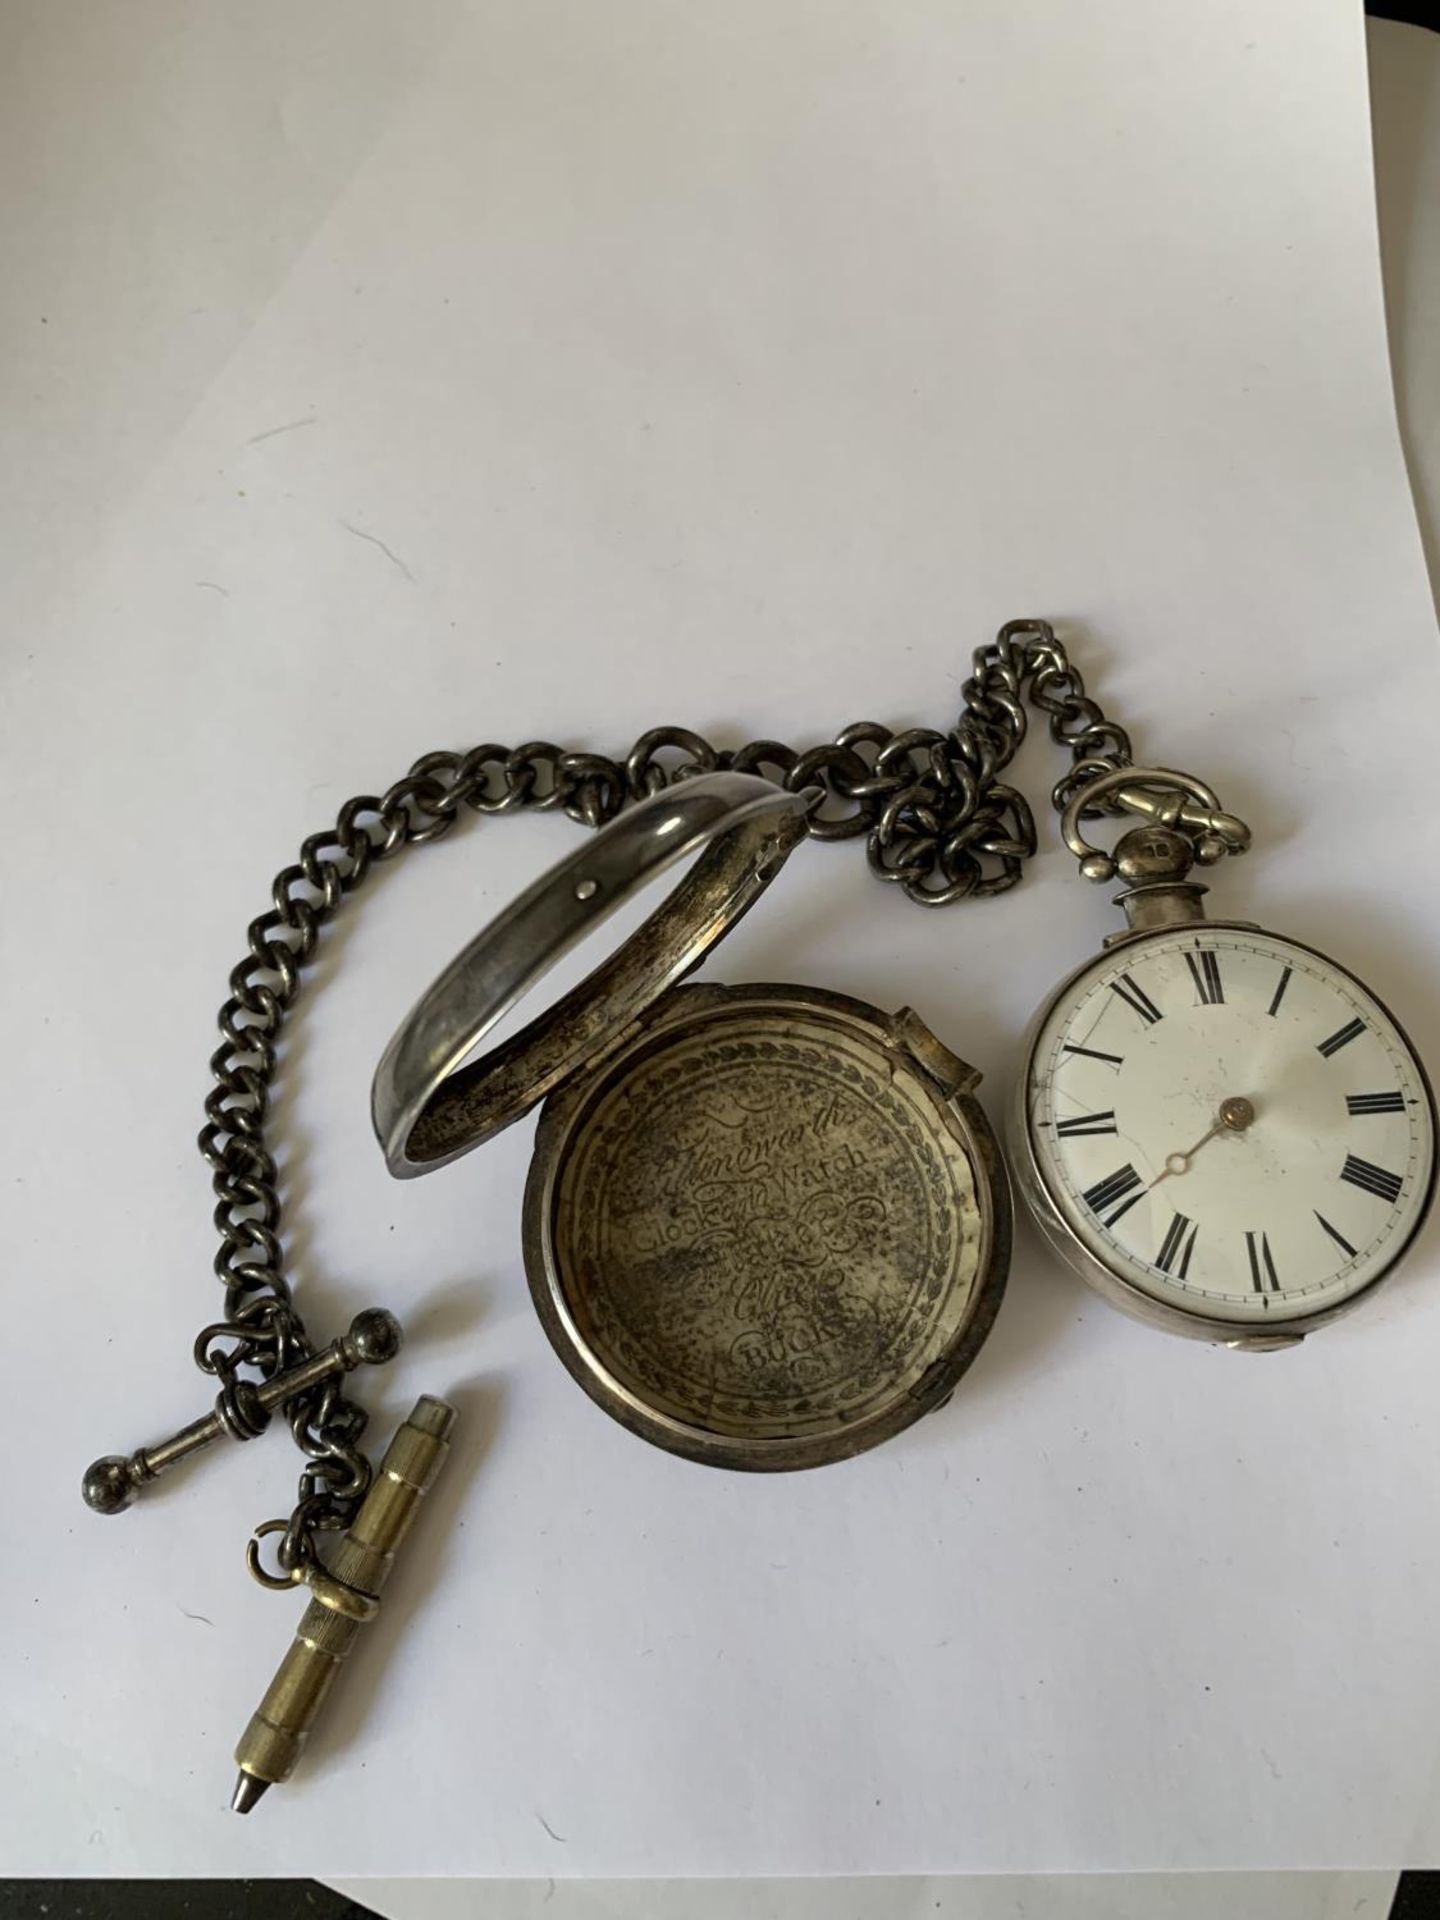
(430, 1102)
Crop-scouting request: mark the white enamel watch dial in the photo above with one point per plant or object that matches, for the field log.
(1228, 1127)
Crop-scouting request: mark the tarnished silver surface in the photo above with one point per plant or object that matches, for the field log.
(937, 821)
(428, 1107)
(772, 1229)
(242, 1410)
(1175, 802)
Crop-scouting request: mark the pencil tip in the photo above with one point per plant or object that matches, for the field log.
(248, 1789)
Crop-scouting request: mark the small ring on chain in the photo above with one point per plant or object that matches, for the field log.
(272, 1582)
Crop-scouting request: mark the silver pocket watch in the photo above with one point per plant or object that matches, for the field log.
(1224, 1131)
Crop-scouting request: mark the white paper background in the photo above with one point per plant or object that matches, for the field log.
(743, 370)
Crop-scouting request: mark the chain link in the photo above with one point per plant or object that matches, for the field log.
(937, 821)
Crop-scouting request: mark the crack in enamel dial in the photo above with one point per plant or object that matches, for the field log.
(1230, 1124)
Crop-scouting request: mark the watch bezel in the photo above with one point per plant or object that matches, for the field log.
(1116, 1287)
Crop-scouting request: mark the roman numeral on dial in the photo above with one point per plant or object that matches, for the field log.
(1204, 968)
(1376, 1180)
(1083, 1123)
(1336, 1235)
(1375, 1102)
(1263, 1276)
(1094, 1053)
(1136, 999)
(1178, 1244)
(1123, 1186)
(1285, 973)
(1342, 1037)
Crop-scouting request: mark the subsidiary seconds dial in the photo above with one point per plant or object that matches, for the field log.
(1231, 1126)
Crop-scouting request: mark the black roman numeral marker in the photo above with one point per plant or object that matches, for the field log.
(1375, 1102)
(1136, 999)
(1352, 1030)
(1117, 1186)
(1360, 1173)
(1335, 1234)
(1204, 968)
(1274, 1006)
(1082, 1123)
(1176, 1245)
(1094, 1053)
(1263, 1276)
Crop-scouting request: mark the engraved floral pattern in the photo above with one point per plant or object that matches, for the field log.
(771, 1231)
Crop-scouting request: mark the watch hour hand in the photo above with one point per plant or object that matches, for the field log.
(1235, 1116)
